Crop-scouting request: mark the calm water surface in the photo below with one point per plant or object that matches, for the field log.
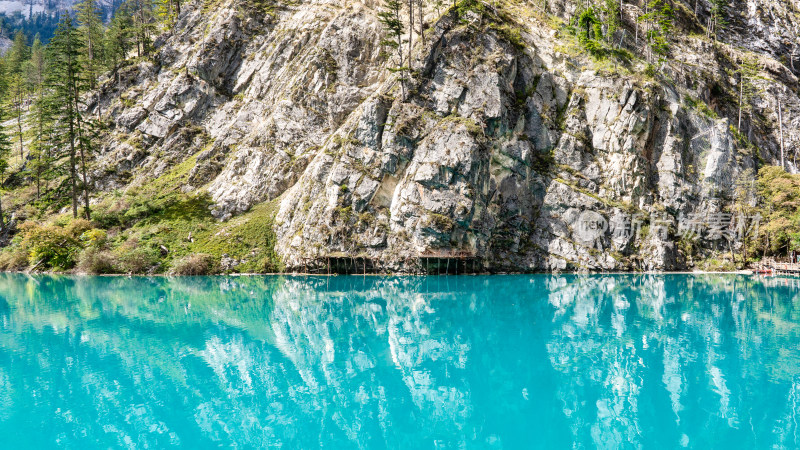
(707, 361)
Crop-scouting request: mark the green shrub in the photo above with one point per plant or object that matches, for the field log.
(195, 264)
(94, 238)
(49, 246)
(134, 259)
(76, 227)
(510, 33)
(95, 261)
(57, 245)
(595, 48)
(13, 259)
(717, 265)
(439, 223)
(466, 6)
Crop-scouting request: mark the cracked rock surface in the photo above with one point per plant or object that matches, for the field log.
(495, 148)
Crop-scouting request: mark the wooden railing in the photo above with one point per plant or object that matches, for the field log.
(778, 268)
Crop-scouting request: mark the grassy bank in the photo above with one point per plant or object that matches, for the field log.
(135, 233)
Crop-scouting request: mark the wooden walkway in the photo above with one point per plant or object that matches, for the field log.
(445, 263)
(777, 268)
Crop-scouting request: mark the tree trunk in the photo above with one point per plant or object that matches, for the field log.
(88, 211)
(421, 19)
(90, 51)
(82, 142)
(72, 171)
(780, 127)
(19, 128)
(40, 135)
(715, 28)
(733, 254)
(2, 218)
(39, 179)
(741, 93)
(410, 29)
(744, 248)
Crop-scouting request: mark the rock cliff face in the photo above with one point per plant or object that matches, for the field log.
(506, 146)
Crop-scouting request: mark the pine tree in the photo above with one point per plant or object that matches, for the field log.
(144, 24)
(717, 22)
(748, 73)
(389, 16)
(168, 11)
(17, 54)
(3, 79)
(119, 36)
(34, 67)
(5, 152)
(658, 19)
(42, 142)
(91, 33)
(420, 5)
(17, 94)
(589, 25)
(410, 29)
(66, 85)
(744, 206)
(38, 117)
(612, 18)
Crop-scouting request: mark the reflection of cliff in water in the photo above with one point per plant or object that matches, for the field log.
(705, 335)
(402, 362)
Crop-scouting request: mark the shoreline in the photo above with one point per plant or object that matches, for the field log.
(397, 275)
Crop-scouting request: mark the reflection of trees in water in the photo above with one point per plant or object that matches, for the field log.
(112, 359)
(403, 362)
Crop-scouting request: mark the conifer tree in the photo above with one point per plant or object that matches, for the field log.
(717, 22)
(420, 5)
(38, 115)
(40, 152)
(612, 18)
(744, 206)
(143, 26)
(410, 29)
(589, 25)
(17, 54)
(748, 73)
(390, 17)
(119, 36)
(5, 152)
(14, 86)
(34, 67)
(91, 31)
(17, 93)
(658, 19)
(3, 79)
(66, 85)
(168, 11)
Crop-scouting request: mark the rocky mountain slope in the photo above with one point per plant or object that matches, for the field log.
(505, 141)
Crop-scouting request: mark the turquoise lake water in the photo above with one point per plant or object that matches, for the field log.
(541, 361)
